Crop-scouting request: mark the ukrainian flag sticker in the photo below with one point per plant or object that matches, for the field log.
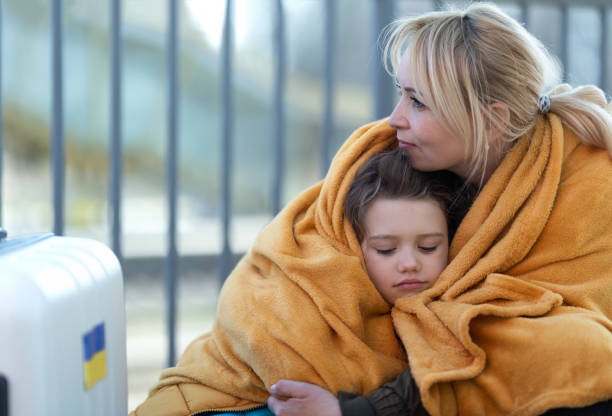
(94, 356)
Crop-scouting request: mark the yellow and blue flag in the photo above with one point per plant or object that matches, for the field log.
(94, 356)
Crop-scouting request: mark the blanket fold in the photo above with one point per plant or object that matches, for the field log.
(299, 305)
(519, 322)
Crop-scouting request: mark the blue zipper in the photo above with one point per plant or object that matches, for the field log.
(253, 411)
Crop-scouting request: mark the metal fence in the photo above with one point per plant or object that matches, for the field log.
(381, 91)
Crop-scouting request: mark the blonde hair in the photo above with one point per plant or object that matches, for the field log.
(462, 61)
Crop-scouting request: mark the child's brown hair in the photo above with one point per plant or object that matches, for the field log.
(390, 175)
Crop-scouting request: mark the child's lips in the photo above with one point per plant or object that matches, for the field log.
(407, 284)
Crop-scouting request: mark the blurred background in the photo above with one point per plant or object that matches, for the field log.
(219, 115)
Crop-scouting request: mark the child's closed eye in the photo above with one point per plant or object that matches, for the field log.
(428, 249)
(385, 251)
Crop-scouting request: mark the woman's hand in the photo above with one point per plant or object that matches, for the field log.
(294, 398)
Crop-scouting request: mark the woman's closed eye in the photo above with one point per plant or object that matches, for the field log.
(417, 104)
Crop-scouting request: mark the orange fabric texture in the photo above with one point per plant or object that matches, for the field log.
(518, 323)
(299, 305)
(520, 320)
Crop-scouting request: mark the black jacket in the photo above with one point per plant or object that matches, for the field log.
(401, 397)
(398, 397)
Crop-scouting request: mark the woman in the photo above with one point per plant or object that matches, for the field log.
(520, 320)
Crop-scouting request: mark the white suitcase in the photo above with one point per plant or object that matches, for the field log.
(62, 328)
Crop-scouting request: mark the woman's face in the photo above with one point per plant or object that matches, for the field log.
(430, 146)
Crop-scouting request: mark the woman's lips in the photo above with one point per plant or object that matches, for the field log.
(405, 145)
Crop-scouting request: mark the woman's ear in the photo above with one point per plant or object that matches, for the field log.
(500, 117)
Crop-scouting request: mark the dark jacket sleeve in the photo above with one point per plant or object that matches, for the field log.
(399, 397)
(354, 405)
(598, 409)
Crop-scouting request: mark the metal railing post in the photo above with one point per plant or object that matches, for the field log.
(1, 118)
(172, 257)
(57, 129)
(524, 14)
(381, 82)
(328, 85)
(279, 108)
(605, 59)
(564, 31)
(115, 130)
(226, 162)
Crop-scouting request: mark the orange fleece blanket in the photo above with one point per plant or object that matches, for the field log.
(299, 305)
(520, 320)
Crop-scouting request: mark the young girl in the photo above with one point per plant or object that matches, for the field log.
(402, 219)
(531, 264)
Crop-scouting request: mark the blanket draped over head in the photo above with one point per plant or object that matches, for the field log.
(519, 322)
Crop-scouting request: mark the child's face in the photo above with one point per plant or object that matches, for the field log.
(405, 246)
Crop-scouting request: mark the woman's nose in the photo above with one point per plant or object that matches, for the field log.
(397, 119)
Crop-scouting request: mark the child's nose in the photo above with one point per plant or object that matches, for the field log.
(408, 262)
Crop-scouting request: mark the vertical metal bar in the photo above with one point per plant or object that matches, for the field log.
(279, 107)
(564, 31)
(328, 67)
(226, 162)
(171, 259)
(383, 86)
(1, 118)
(115, 129)
(524, 14)
(57, 129)
(603, 50)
